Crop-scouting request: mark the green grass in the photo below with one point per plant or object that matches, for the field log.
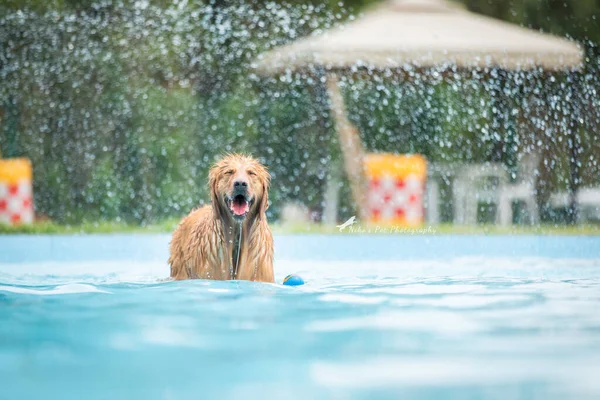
(49, 227)
(167, 226)
(447, 229)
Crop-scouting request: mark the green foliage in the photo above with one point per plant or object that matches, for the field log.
(579, 19)
(296, 138)
(443, 120)
(122, 106)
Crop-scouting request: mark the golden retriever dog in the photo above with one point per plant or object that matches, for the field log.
(230, 238)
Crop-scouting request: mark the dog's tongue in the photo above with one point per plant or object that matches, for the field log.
(239, 206)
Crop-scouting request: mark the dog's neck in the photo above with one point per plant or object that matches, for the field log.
(237, 231)
(236, 234)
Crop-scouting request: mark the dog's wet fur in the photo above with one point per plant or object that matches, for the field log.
(230, 238)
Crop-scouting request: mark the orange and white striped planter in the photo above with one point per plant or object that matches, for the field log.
(16, 191)
(396, 188)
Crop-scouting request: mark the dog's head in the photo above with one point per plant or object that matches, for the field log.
(239, 186)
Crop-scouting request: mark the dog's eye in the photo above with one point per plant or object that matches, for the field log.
(229, 172)
(252, 173)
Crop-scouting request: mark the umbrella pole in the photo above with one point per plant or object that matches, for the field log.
(573, 214)
(351, 145)
(332, 193)
(574, 150)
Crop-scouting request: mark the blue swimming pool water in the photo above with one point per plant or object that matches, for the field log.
(428, 317)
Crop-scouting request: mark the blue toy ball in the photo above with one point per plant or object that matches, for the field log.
(293, 280)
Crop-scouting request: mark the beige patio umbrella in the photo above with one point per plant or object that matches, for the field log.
(415, 34)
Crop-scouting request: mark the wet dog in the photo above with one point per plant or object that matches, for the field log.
(230, 238)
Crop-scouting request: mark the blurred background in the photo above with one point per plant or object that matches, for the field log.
(122, 106)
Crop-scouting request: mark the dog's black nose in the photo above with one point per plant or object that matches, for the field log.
(240, 184)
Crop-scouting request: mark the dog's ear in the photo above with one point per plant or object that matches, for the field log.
(264, 201)
(213, 181)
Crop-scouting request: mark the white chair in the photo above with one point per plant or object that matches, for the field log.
(437, 175)
(522, 190)
(294, 213)
(477, 183)
(588, 200)
(432, 201)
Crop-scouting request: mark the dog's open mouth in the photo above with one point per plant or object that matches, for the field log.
(239, 205)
